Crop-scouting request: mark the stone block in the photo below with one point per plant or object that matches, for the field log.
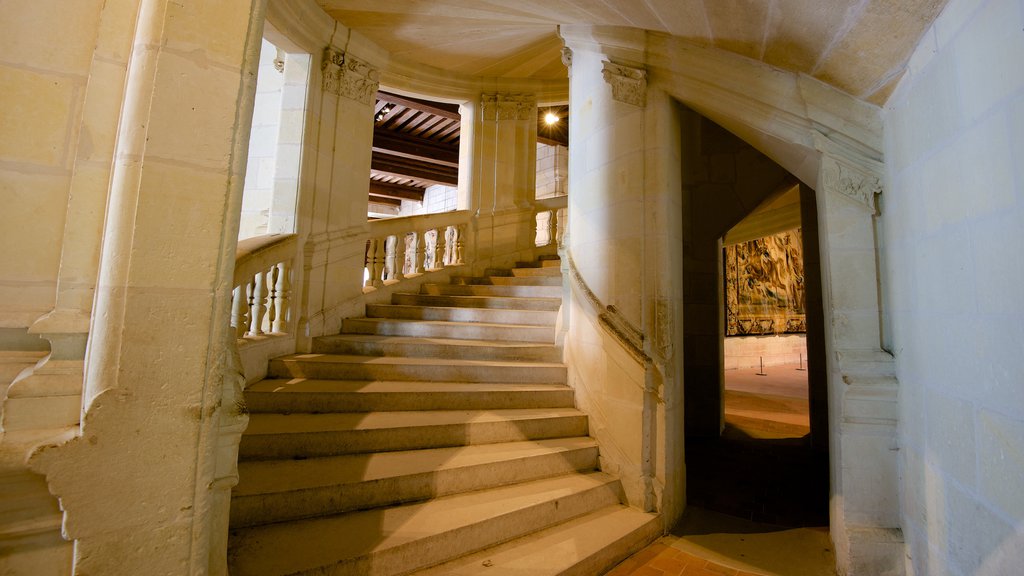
(35, 111)
(983, 77)
(998, 268)
(951, 440)
(1001, 462)
(193, 113)
(216, 30)
(979, 540)
(37, 38)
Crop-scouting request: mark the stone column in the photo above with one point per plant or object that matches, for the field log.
(625, 212)
(335, 247)
(503, 173)
(138, 485)
(865, 513)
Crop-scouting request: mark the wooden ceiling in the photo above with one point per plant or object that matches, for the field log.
(858, 46)
(416, 145)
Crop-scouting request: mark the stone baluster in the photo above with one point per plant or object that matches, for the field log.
(460, 232)
(419, 262)
(256, 308)
(449, 246)
(379, 260)
(270, 315)
(282, 292)
(561, 224)
(398, 256)
(239, 310)
(434, 249)
(368, 263)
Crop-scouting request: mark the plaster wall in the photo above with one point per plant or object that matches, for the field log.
(44, 68)
(952, 218)
(748, 351)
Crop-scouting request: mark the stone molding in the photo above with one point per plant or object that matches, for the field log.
(508, 106)
(855, 184)
(850, 172)
(345, 75)
(629, 85)
(567, 57)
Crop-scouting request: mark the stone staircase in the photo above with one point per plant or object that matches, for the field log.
(435, 436)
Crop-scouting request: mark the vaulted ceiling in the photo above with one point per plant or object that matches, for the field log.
(858, 46)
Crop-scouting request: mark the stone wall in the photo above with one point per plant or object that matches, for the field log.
(44, 70)
(952, 213)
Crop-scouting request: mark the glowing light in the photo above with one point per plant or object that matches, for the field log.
(551, 118)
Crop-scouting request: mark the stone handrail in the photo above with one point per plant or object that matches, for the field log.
(609, 317)
(411, 245)
(263, 278)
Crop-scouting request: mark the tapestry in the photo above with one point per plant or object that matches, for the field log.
(764, 286)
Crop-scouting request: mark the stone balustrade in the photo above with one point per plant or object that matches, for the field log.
(407, 247)
(263, 277)
(552, 221)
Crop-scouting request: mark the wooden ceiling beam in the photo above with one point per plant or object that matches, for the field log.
(396, 191)
(385, 200)
(427, 172)
(415, 148)
(446, 110)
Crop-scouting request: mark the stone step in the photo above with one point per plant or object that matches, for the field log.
(320, 396)
(437, 313)
(412, 346)
(525, 291)
(340, 367)
(277, 436)
(554, 271)
(442, 329)
(280, 490)
(401, 539)
(542, 263)
(584, 546)
(490, 302)
(508, 280)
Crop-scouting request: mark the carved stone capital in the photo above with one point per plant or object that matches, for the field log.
(854, 183)
(567, 57)
(505, 106)
(629, 85)
(345, 75)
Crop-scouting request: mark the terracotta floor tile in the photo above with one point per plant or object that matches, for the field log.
(668, 565)
(719, 569)
(648, 571)
(694, 570)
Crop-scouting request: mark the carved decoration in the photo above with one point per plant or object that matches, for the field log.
(348, 76)
(611, 319)
(851, 182)
(567, 57)
(629, 85)
(506, 106)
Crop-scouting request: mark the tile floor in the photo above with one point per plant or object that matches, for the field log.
(759, 505)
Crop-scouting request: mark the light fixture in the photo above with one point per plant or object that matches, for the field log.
(383, 112)
(551, 118)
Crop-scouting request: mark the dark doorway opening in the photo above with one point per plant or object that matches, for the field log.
(754, 449)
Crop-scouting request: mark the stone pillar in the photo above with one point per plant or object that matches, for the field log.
(334, 219)
(138, 485)
(625, 216)
(865, 515)
(502, 176)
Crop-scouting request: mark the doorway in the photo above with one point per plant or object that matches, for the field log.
(756, 433)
